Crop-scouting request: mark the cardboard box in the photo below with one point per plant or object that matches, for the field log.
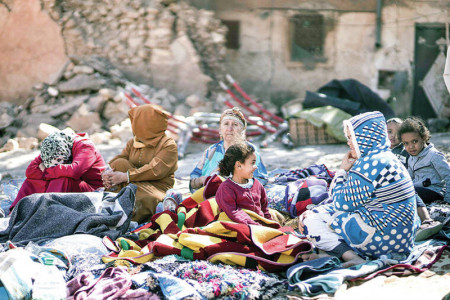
(304, 133)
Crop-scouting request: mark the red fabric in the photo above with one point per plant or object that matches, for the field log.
(113, 283)
(301, 206)
(232, 198)
(82, 175)
(212, 184)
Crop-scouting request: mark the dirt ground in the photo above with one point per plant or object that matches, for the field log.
(428, 285)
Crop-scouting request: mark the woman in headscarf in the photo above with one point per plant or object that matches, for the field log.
(68, 162)
(373, 208)
(149, 160)
(232, 130)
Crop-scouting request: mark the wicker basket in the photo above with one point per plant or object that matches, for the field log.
(304, 133)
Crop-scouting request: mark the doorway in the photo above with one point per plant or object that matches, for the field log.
(426, 50)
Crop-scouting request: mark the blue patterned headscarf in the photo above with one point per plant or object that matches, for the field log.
(368, 132)
(56, 148)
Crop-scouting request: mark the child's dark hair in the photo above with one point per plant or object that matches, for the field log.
(237, 152)
(414, 124)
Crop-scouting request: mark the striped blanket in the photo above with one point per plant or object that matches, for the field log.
(200, 231)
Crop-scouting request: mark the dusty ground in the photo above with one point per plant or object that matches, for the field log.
(428, 285)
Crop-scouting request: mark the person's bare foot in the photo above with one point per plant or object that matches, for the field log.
(313, 256)
(353, 262)
(350, 258)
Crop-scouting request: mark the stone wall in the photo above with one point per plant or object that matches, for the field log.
(31, 49)
(164, 44)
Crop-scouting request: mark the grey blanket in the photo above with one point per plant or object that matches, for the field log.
(41, 217)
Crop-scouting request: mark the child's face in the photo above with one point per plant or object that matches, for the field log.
(392, 129)
(248, 167)
(413, 142)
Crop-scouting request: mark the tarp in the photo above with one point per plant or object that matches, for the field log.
(348, 95)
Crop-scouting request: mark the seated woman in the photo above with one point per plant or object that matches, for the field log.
(374, 207)
(68, 162)
(232, 130)
(149, 160)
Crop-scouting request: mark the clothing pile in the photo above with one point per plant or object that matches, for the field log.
(82, 243)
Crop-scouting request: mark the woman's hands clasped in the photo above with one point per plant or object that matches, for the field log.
(112, 178)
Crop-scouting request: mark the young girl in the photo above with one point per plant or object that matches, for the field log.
(427, 166)
(428, 227)
(396, 145)
(241, 190)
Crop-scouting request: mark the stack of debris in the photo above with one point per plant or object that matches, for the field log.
(87, 96)
(164, 43)
(114, 45)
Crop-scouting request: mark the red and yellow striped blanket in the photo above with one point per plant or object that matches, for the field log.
(201, 231)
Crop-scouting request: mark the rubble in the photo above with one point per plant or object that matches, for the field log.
(176, 49)
(165, 43)
(79, 103)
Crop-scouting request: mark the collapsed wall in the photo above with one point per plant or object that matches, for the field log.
(167, 48)
(165, 44)
(89, 95)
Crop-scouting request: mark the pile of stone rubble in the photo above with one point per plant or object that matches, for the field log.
(154, 46)
(87, 96)
(163, 43)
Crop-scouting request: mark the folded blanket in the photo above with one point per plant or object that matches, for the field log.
(422, 257)
(308, 269)
(41, 217)
(320, 171)
(331, 281)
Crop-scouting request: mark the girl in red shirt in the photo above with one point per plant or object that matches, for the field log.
(241, 191)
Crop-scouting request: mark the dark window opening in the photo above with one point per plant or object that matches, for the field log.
(307, 37)
(385, 79)
(232, 34)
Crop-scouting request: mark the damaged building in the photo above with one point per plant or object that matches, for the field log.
(78, 56)
(280, 49)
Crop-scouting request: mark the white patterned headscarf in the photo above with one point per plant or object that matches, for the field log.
(56, 148)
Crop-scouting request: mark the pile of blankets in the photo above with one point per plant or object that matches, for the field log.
(196, 252)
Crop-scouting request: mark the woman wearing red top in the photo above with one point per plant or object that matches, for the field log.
(68, 162)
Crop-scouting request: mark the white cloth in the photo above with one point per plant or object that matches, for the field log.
(447, 70)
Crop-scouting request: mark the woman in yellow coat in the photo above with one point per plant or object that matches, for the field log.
(149, 160)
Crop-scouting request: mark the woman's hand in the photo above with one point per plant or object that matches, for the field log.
(113, 178)
(198, 182)
(106, 179)
(118, 177)
(41, 167)
(348, 161)
(301, 218)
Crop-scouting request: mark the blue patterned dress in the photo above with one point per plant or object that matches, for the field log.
(374, 207)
